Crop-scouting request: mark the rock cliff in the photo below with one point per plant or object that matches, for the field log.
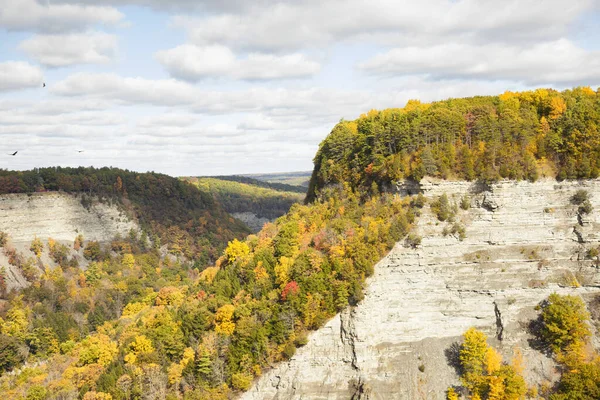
(59, 216)
(523, 241)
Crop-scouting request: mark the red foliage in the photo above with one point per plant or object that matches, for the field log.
(290, 289)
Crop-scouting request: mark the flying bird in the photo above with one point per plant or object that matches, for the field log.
(80, 151)
(14, 154)
(44, 84)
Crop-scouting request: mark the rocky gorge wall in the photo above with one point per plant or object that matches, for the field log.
(56, 215)
(523, 242)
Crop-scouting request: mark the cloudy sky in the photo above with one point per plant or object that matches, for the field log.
(201, 87)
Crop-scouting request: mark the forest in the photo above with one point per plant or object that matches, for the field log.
(264, 200)
(523, 136)
(137, 325)
(171, 212)
(283, 187)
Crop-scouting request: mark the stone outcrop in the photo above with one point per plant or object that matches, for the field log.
(253, 221)
(59, 216)
(523, 242)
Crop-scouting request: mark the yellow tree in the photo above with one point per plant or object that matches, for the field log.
(223, 320)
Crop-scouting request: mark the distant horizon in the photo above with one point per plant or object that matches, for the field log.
(158, 172)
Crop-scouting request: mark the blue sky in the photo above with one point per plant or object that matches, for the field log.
(221, 87)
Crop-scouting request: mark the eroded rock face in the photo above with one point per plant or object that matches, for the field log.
(253, 221)
(523, 242)
(59, 216)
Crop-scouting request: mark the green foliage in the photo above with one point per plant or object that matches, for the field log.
(236, 197)
(11, 353)
(514, 135)
(581, 383)
(564, 321)
(580, 197)
(441, 208)
(176, 212)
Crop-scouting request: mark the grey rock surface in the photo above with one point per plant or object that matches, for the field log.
(59, 216)
(523, 242)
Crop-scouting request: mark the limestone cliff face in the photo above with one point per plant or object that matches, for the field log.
(523, 242)
(59, 216)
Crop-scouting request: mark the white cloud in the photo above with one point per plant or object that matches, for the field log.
(286, 26)
(19, 75)
(177, 120)
(112, 87)
(30, 15)
(190, 62)
(60, 50)
(557, 62)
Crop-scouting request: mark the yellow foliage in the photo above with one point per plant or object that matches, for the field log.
(557, 107)
(97, 396)
(237, 250)
(208, 275)
(282, 269)
(223, 323)
(496, 388)
(451, 394)
(97, 349)
(260, 272)
(174, 372)
(132, 309)
(493, 360)
(169, 296)
(17, 321)
(188, 356)
(128, 261)
(517, 361)
(141, 344)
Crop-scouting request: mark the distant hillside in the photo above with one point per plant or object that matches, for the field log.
(254, 202)
(174, 212)
(290, 178)
(262, 183)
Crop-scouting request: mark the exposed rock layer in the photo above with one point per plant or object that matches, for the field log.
(59, 216)
(523, 242)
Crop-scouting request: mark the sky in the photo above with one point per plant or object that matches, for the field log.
(210, 87)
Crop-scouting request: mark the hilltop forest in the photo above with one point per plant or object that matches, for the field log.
(136, 324)
(514, 135)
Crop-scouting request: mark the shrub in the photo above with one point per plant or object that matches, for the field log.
(241, 381)
(441, 208)
(580, 197)
(585, 208)
(413, 240)
(465, 202)
(418, 201)
(37, 247)
(564, 321)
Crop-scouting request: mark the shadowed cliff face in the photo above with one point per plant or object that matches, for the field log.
(59, 216)
(523, 242)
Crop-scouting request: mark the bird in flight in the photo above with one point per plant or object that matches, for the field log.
(44, 84)
(14, 154)
(80, 151)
